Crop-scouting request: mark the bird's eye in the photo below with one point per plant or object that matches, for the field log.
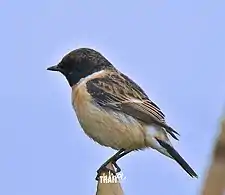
(60, 65)
(66, 65)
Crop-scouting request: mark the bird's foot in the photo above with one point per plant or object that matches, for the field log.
(118, 169)
(104, 168)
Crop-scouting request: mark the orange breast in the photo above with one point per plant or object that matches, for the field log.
(109, 128)
(80, 96)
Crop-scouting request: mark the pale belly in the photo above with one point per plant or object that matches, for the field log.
(110, 128)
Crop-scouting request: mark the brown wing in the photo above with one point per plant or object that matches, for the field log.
(118, 92)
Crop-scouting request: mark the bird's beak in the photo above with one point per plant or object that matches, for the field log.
(54, 68)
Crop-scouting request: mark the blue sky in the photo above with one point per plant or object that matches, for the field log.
(174, 50)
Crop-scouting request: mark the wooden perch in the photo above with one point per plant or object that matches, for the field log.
(215, 181)
(107, 185)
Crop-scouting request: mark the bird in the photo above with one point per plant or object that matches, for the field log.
(113, 110)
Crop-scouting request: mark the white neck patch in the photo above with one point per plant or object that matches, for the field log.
(89, 77)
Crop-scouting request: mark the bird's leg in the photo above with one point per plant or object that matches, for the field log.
(122, 154)
(113, 160)
(119, 156)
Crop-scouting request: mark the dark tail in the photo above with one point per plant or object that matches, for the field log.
(176, 156)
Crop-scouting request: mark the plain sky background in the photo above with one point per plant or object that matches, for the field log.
(173, 49)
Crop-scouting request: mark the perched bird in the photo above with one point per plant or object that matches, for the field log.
(113, 110)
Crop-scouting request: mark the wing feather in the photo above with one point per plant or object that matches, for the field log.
(118, 92)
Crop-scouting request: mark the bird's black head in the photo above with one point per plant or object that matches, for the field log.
(80, 63)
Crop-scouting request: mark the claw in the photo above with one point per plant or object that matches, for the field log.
(118, 169)
(104, 169)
